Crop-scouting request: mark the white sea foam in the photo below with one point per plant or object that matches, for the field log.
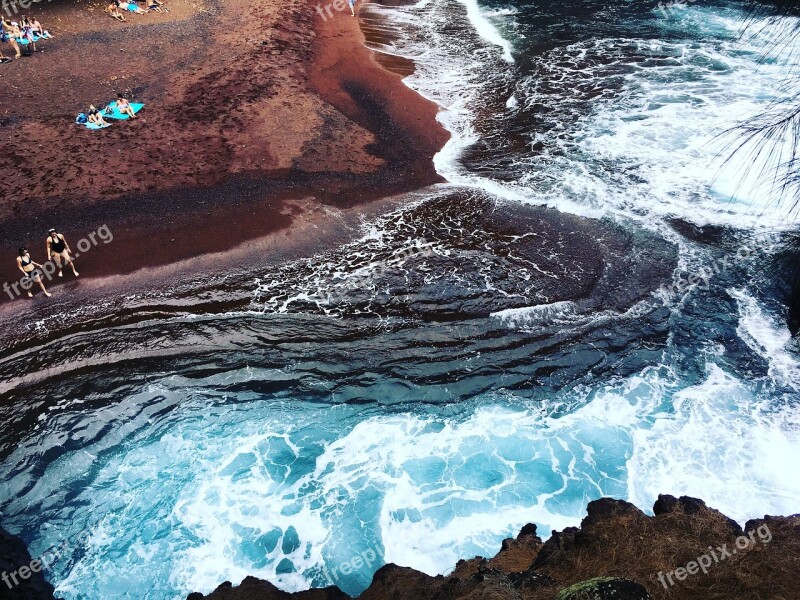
(719, 441)
(287, 491)
(535, 315)
(649, 149)
(768, 338)
(486, 30)
(180, 500)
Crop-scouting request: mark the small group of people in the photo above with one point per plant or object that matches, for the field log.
(25, 32)
(119, 108)
(58, 251)
(114, 9)
(121, 105)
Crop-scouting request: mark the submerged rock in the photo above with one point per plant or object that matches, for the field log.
(21, 576)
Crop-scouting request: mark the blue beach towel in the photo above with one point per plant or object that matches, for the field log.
(132, 7)
(111, 111)
(96, 126)
(26, 41)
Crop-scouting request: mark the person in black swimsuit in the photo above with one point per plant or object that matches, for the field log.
(31, 270)
(96, 116)
(58, 250)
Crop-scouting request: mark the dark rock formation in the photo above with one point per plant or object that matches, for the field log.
(604, 588)
(257, 589)
(18, 581)
(687, 551)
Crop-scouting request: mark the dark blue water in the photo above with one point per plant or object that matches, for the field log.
(496, 351)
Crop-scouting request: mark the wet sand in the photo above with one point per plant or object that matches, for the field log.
(242, 135)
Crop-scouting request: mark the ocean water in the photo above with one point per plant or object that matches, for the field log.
(498, 350)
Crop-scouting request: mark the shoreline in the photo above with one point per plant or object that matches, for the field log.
(170, 226)
(696, 552)
(688, 559)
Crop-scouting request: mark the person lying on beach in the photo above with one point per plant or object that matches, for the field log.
(113, 10)
(131, 6)
(125, 107)
(155, 5)
(96, 116)
(31, 271)
(58, 250)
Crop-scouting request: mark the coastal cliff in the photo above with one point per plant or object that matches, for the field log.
(618, 552)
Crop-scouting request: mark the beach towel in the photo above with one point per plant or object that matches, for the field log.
(26, 41)
(96, 126)
(111, 111)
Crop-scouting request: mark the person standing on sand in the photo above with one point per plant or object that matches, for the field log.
(7, 35)
(58, 250)
(352, 4)
(27, 32)
(31, 270)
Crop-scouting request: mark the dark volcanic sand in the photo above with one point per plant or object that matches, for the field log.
(233, 129)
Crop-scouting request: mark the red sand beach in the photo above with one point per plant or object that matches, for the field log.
(255, 112)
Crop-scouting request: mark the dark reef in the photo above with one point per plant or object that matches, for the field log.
(14, 556)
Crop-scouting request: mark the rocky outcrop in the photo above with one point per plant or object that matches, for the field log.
(257, 589)
(685, 551)
(20, 575)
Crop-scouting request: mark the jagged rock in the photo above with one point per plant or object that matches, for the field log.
(402, 583)
(484, 584)
(252, 588)
(667, 504)
(559, 540)
(530, 580)
(527, 531)
(516, 555)
(14, 556)
(603, 509)
(604, 588)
